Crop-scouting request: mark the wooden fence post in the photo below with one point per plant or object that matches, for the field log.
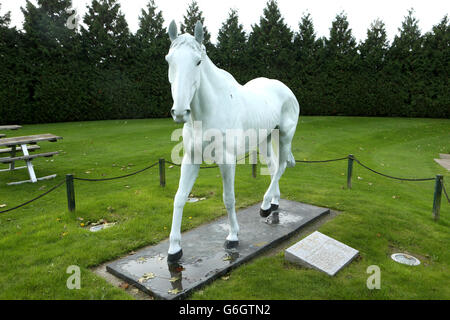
(162, 172)
(350, 171)
(70, 192)
(437, 196)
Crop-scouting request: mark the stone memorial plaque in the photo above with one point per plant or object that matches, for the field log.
(321, 252)
(204, 256)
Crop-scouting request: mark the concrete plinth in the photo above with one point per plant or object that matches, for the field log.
(204, 257)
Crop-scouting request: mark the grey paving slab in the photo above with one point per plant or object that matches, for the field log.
(444, 163)
(321, 252)
(204, 257)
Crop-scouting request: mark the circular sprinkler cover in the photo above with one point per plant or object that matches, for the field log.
(404, 258)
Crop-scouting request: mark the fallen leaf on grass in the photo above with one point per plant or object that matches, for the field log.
(124, 285)
(225, 278)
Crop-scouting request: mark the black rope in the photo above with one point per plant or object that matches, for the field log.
(208, 167)
(318, 161)
(175, 164)
(114, 178)
(34, 199)
(445, 192)
(385, 175)
(179, 165)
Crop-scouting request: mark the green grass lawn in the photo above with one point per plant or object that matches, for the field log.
(379, 216)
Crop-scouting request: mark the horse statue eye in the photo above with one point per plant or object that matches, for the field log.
(198, 63)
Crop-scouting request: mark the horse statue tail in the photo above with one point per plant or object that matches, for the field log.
(289, 118)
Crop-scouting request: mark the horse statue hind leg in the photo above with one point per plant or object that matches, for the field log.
(277, 164)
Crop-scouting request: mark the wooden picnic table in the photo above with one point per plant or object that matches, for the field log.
(16, 144)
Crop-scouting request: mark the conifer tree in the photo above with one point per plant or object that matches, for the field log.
(231, 47)
(150, 68)
(107, 42)
(270, 45)
(436, 70)
(11, 92)
(373, 83)
(5, 20)
(194, 14)
(306, 81)
(340, 68)
(405, 67)
(107, 35)
(50, 54)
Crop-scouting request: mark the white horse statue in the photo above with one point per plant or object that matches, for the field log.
(203, 92)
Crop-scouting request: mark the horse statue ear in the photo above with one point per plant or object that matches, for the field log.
(173, 31)
(198, 33)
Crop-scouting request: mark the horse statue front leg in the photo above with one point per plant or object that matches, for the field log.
(189, 173)
(228, 173)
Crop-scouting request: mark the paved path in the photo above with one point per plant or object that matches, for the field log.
(444, 160)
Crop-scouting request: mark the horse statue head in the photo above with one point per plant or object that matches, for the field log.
(185, 57)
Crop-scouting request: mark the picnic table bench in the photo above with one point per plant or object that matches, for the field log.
(10, 127)
(13, 127)
(16, 144)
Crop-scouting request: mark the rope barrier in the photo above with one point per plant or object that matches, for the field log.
(161, 162)
(319, 161)
(208, 167)
(34, 199)
(385, 175)
(445, 192)
(114, 178)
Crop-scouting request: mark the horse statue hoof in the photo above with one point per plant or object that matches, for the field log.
(171, 258)
(266, 213)
(231, 244)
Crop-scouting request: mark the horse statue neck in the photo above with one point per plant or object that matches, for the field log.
(215, 85)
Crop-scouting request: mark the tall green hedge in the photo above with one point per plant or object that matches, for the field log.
(51, 73)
